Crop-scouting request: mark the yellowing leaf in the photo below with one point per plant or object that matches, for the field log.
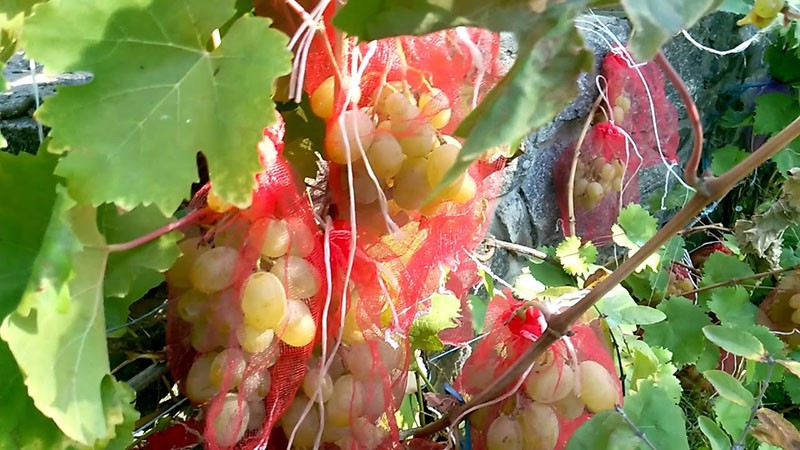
(574, 257)
(444, 311)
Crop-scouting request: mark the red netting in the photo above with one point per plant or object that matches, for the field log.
(605, 181)
(245, 304)
(640, 106)
(551, 403)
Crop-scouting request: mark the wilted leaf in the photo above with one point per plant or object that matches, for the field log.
(773, 429)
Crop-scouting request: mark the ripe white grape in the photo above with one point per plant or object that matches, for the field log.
(619, 114)
(343, 401)
(333, 433)
(253, 340)
(368, 435)
(178, 274)
(467, 189)
(258, 414)
(617, 184)
(313, 380)
(504, 434)
(570, 407)
(307, 431)
(608, 172)
(212, 271)
(415, 138)
(227, 368)
(298, 328)
(358, 127)
(231, 422)
(192, 305)
(539, 426)
(794, 301)
(217, 203)
(597, 387)
(322, 99)
(796, 316)
(276, 238)
(385, 156)
(382, 94)
(363, 186)
(199, 387)
(550, 384)
(441, 159)
(263, 360)
(580, 186)
(204, 337)
(623, 102)
(398, 107)
(410, 185)
(360, 359)
(263, 301)
(301, 241)
(370, 393)
(594, 191)
(299, 277)
(435, 106)
(255, 385)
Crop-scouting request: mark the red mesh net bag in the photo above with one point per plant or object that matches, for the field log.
(605, 181)
(245, 302)
(640, 106)
(574, 378)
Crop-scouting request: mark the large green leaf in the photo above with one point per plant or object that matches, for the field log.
(444, 312)
(656, 414)
(159, 95)
(729, 387)
(606, 430)
(12, 18)
(657, 21)
(682, 332)
(735, 341)
(716, 437)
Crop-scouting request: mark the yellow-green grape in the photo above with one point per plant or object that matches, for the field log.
(205, 337)
(618, 113)
(212, 271)
(199, 388)
(360, 359)
(436, 107)
(580, 170)
(540, 427)
(597, 387)
(410, 184)
(217, 203)
(322, 99)
(276, 238)
(551, 384)
(368, 435)
(263, 360)
(466, 190)
(255, 386)
(594, 191)
(351, 332)
(570, 407)
(363, 186)
(298, 276)
(258, 414)
(298, 328)
(385, 155)
(794, 301)
(263, 301)
(580, 186)
(178, 274)
(619, 169)
(227, 368)
(358, 126)
(314, 380)
(332, 433)
(307, 430)
(415, 138)
(254, 340)
(441, 159)
(685, 285)
(387, 90)
(768, 9)
(623, 102)
(344, 396)
(796, 316)
(398, 107)
(607, 172)
(231, 422)
(616, 184)
(192, 305)
(301, 240)
(504, 434)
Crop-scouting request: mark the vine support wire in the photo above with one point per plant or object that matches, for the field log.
(36, 97)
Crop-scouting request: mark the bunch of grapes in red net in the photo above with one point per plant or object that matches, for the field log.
(573, 379)
(245, 300)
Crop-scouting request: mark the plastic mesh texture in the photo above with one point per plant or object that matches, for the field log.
(552, 405)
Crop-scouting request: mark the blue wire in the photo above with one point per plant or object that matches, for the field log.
(466, 442)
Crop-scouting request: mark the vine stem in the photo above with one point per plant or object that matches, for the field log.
(756, 404)
(690, 172)
(740, 279)
(704, 228)
(639, 433)
(188, 219)
(559, 324)
(522, 250)
(574, 165)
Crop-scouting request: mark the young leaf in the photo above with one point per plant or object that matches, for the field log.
(155, 82)
(731, 416)
(634, 227)
(718, 439)
(604, 430)
(681, 333)
(551, 275)
(444, 311)
(732, 306)
(478, 307)
(721, 267)
(729, 387)
(654, 412)
(574, 257)
(735, 341)
(725, 158)
(620, 309)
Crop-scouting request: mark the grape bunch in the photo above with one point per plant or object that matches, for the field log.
(237, 321)
(554, 392)
(680, 281)
(595, 179)
(794, 303)
(396, 141)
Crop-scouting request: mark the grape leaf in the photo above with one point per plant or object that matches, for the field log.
(57, 334)
(604, 430)
(527, 287)
(655, 413)
(3, 142)
(12, 19)
(574, 257)
(718, 439)
(721, 267)
(772, 428)
(444, 311)
(478, 307)
(634, 227)
(655, 22)
(22, 426)
(774, 111)
(681, 333)
(725, 158)
(551, 275)
(729, 387)
(735, 341)
(118, 399)
(620, 309)
(732, 306)
(731, 416)
(654, 365)
(156, 83)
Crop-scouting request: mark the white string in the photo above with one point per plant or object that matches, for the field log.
(738, 49)
(35, 84)
(477, 62)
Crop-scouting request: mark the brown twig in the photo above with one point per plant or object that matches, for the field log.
(188, 219)
(522, 250)
(740, 279)
(702, 228)
(690, 171)
(574, 166)
(559, 324)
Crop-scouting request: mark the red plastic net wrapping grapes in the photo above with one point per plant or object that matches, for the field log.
(575, 377)
(245, 302)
